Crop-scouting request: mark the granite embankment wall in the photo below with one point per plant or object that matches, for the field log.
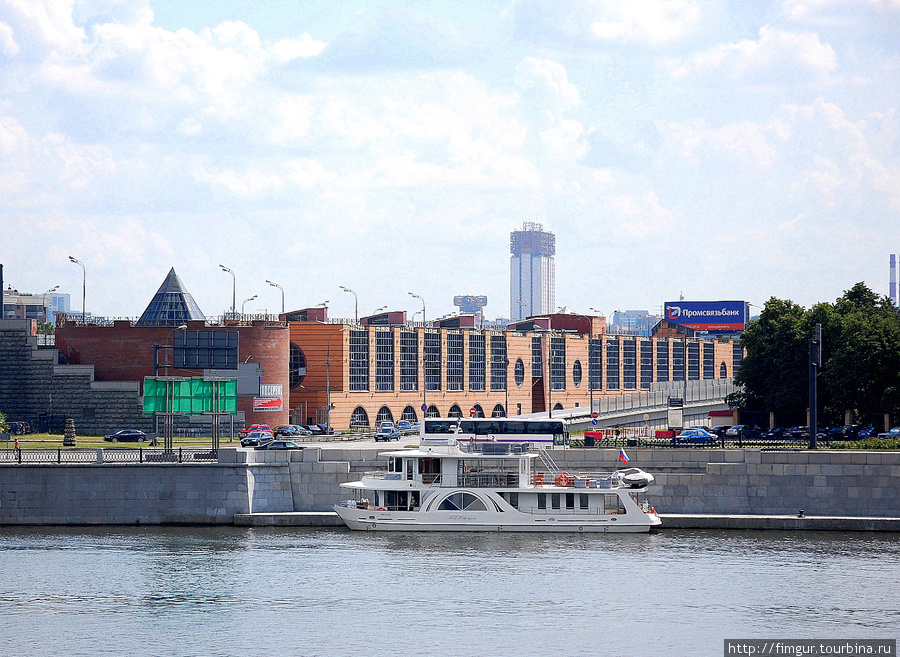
(822, 483)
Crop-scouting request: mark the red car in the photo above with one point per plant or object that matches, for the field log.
(255, 427)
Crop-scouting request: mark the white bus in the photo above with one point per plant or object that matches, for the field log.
(540, 431)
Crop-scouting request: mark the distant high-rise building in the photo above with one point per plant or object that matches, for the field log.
(532, 272)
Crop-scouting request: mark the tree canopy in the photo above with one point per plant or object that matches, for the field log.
(861, 358)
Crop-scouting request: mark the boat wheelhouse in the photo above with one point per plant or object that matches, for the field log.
(451, 485)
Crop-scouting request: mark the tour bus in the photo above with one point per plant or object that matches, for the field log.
(540, 431)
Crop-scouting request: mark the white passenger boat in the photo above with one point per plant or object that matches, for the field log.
(450, 485)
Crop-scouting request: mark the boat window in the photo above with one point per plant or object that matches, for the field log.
(409, 468)
(514, 500)
(613, 505)
(395, 464)
(462, 502)
(583, 500)
(542, 500)
(570, 501)
(554, 500)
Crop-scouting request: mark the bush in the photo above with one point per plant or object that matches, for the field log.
(870, 443)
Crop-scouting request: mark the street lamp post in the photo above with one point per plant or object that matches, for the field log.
(50, 291)
(83, 284)
(328, 380)
(282, 293)
(424, 392)
(233, 287)
(355, 303)
(244, 303)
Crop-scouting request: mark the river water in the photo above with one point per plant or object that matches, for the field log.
(332, 592)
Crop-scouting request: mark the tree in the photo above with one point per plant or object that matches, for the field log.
(861, 358)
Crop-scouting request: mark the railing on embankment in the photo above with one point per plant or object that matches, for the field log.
(103, 455)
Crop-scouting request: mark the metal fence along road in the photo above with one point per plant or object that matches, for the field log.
(110, 456)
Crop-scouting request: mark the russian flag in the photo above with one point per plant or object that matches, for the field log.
(623, 456)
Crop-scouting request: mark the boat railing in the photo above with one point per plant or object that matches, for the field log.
(581, 480)
(538, 511)
(489, 479)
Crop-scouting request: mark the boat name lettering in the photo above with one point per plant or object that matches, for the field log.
(461, 516)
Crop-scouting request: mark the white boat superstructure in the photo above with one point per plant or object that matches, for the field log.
(446, 485)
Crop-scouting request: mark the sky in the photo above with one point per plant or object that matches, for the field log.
(710, 150)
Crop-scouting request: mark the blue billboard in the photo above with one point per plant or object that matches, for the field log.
(711, 316)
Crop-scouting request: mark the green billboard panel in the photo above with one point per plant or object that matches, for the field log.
(189, 396)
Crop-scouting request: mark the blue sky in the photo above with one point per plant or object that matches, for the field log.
(719, 150)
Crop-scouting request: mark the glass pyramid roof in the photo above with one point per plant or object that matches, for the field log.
(172, 305)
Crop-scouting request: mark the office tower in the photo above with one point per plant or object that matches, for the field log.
(532, 272)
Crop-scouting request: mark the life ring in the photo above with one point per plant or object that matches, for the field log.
(564, 479)
(381, 508)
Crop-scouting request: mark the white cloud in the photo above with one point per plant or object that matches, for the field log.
(8, 45)
(548, 79)
(289, 49)
(643, 21)
(778, 57)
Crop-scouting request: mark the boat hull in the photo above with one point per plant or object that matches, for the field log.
(374, 520)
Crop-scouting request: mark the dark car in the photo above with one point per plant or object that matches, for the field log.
(126, 436)
(301, 430)
(19, 428)
(775, 433)
(743, 432)
(867, 432)
(694, 437)
(325, 429)
(845, 432)
(719, 430)
(256, 438)
(280, 444)
(798, 433)
(285, 430)
(387, 433)
(314, 429)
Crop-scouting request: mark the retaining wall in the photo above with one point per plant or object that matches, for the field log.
(822, 483)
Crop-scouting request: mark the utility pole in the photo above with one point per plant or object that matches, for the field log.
(815, 362)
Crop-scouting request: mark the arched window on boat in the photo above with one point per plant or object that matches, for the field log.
(498, 411)
(359, 419)
(384, 415)
(432, 411)
(462, 502)
(409, 414)
(455, 411)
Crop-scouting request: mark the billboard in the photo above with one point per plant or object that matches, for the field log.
(712, 316)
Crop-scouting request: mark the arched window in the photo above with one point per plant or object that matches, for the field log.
(297, 366)
(462, 502)
(359, 418)
(432, 411)
(498, 411)
(479, 412)
(520, 372)
(455, 411)
(576, 373)
(723, 371)
(557, 406)
(384, 415)
(409, 414)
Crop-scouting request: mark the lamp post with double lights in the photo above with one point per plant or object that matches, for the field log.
(424, 387)
(282, 293)
(83, 284)
(355, 303)
(48, 292)
(233, 287)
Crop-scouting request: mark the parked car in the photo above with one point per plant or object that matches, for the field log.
(845, 432)
(694, 437)
(256, 438)
(893, 433)
(314, 429)
(386, 434)
(743, 432)
(126, 436)
(798, 433)
(285, 430)
(280, 444)
(301, 430)
(328, 431)
(404, 425)
(255, 427)
(719, 430)
(775, 433)
(867, 432)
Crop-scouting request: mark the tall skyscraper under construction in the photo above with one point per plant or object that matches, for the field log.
(532, 272)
